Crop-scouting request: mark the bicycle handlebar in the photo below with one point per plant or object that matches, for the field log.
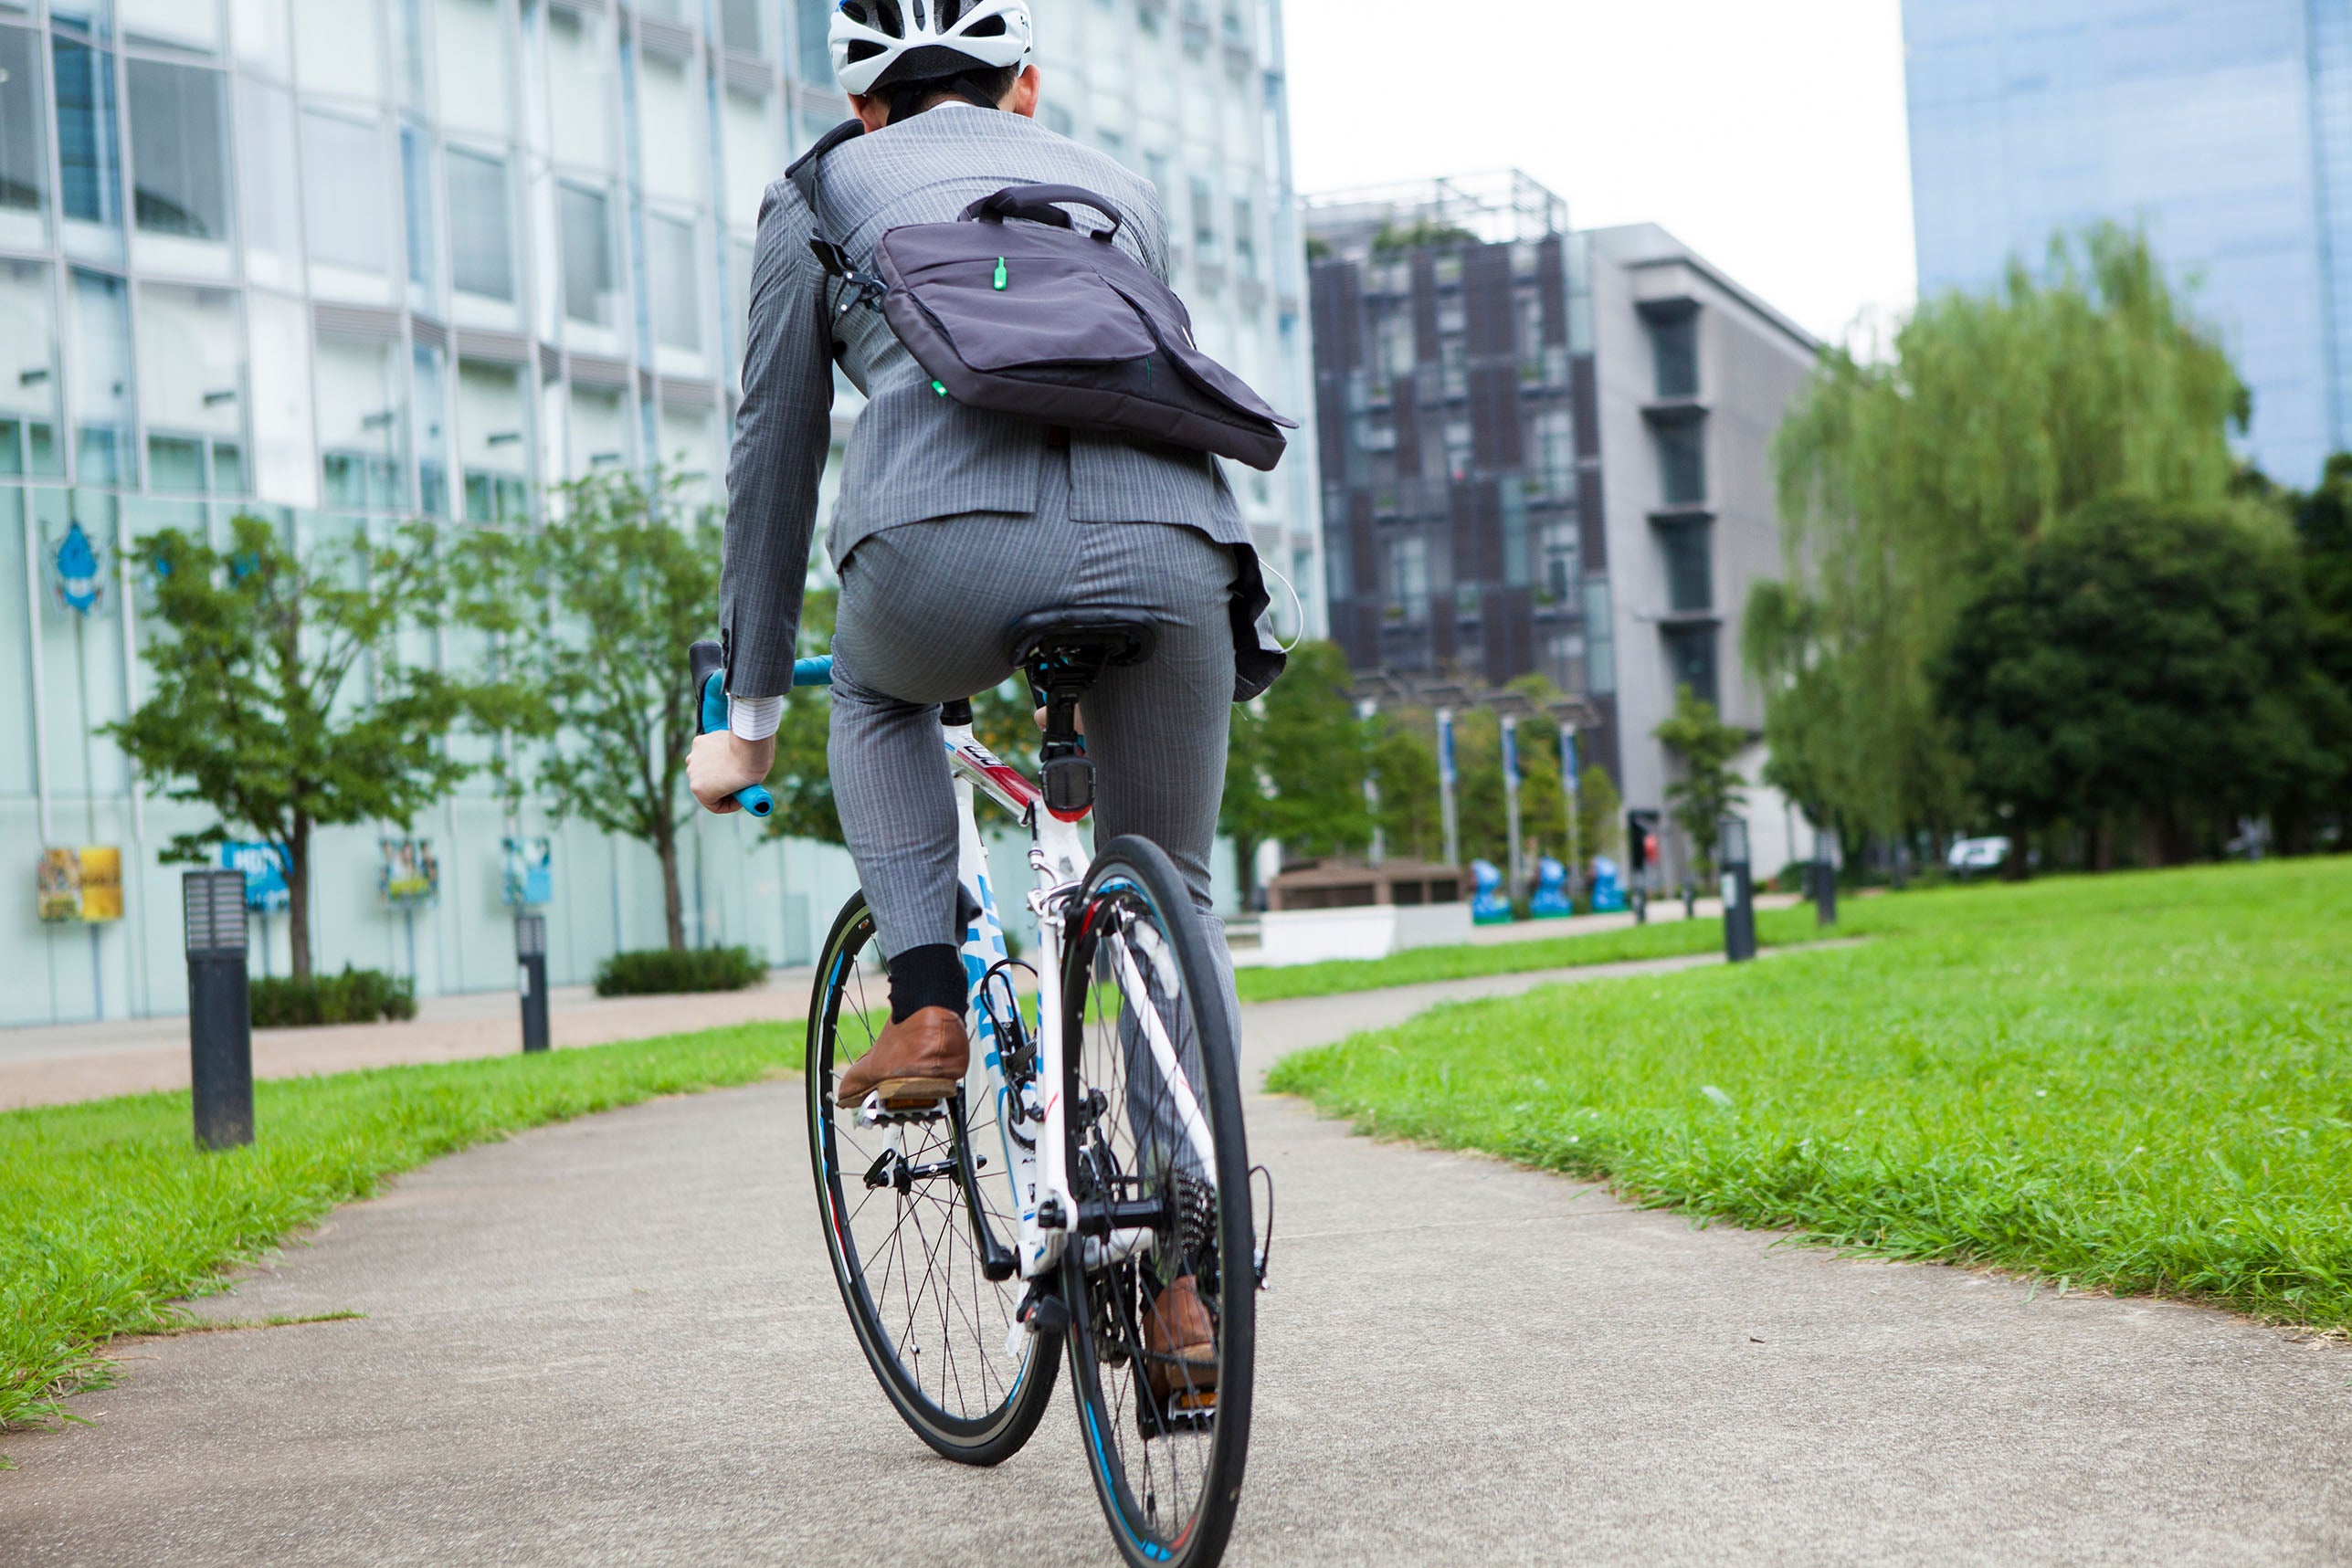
(812, 671)
(704, 660)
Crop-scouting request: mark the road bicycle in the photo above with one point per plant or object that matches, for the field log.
(1093, 1158)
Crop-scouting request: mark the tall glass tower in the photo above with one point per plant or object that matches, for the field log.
(338, 262)
(2223, 127)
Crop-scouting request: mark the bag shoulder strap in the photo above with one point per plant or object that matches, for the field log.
(803, 175)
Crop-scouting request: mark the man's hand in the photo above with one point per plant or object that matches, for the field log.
(720, 764)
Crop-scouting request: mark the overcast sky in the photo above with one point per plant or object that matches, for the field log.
(1767, 136)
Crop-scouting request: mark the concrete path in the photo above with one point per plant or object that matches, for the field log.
(616, 1342)
(61, 1064)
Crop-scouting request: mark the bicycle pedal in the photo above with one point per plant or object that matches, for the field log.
(876, 1111)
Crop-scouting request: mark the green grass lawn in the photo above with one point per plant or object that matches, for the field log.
(107, 1213)
(1421, 965)
(2136, 1082)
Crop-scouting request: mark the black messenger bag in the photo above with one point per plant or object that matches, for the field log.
(1045, 321)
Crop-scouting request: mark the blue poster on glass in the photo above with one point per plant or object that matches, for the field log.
(530, 878)
(264, 866)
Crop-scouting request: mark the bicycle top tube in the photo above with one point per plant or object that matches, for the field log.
(812, 671)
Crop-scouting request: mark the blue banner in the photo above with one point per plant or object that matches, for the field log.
(1511, 748)
(1446, 773)
(264, 866)
(1569, 773)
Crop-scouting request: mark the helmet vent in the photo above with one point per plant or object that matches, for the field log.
(986, 28)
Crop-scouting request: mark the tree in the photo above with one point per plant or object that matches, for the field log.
(2138, 663)
(1708, 788)
(1296, 762)
(257, 712)
(2322, 524)
(1404, 759)
(1903, 481)
(594, 613)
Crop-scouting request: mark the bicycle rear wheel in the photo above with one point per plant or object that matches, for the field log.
(897, 1205)
(1160, 1170)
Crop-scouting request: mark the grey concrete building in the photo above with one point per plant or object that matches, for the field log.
(1546, 450)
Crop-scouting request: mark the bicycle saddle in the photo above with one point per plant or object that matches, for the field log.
(1092, 639)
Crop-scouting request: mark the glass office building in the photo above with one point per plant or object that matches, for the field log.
(337, 262)
(2222, 126)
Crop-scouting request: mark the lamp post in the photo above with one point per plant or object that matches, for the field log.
(1739, 890)
(1572, 794)
(1448, 810)
(1378, 851)
(220, 1008)
(531, 958)
(1510, 804)
(1825, 876)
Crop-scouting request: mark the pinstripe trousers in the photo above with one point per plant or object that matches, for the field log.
(924, 615)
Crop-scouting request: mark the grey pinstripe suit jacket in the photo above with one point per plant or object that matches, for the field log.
(913, 455)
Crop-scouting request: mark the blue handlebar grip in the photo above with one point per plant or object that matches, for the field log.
(755, 799)
(812, 671)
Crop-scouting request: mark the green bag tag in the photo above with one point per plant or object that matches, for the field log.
(940, 387)
(1000, 273)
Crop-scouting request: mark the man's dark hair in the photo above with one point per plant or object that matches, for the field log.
(983, 85)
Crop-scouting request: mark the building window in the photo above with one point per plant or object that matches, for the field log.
(1204, 249)
(89, 176)
(1674, 347)
(581, 112)
(588, 272)
(1690, 660)
(432, 366)
(362, 428)
(493, 441)
(24, 153)
(416, 201)
(343, 182)
(1683, 462)
(1556, 452)
(482, 231)
(99, 350)
(1560, 563)
(1057, 119)
(179, 151)
(1409, 580)
(191, 390)
(813, 18)
(1689, 549)
(28, 373)
(1245, 238)
(675, 280)
(600, 430)
(739, 25)
(1600, 638)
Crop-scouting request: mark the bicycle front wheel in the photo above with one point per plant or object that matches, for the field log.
(898, 1204)
(1159, 1274)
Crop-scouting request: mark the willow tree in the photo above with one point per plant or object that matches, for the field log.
(1903, 481)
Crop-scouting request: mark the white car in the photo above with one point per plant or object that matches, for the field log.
(1970, 856)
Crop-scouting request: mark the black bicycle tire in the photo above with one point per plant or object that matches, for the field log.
(1006, 1429)
(1205, 1544)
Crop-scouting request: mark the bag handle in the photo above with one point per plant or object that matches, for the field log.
(1036, 203)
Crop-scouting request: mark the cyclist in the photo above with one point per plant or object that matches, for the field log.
(952, 523)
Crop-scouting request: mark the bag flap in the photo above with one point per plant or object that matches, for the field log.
(1007, 298)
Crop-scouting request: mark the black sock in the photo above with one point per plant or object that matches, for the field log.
(930, 976)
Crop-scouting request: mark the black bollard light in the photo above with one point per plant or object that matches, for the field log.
(531, 956)
(1824, 878)
(1739, 890)
(220, 1008)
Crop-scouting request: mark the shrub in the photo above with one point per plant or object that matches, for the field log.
(661, 972)
(354, 996)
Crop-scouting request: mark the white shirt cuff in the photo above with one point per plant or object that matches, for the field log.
(754, 717)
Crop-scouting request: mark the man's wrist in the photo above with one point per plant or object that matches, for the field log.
(754, 718)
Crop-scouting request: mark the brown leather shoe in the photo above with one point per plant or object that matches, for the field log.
(915, 1061)
(1180, 1343)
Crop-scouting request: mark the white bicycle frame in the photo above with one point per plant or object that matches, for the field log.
(1038, 1168)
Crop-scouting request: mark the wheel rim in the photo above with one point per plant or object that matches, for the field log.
(1154, 1456)
(904, 1251)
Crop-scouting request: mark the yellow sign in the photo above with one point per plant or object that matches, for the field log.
(83, 884)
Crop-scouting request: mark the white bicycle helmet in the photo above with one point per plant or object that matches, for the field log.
(879, 43)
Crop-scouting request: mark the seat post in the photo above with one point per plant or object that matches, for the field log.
(1067, 772)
